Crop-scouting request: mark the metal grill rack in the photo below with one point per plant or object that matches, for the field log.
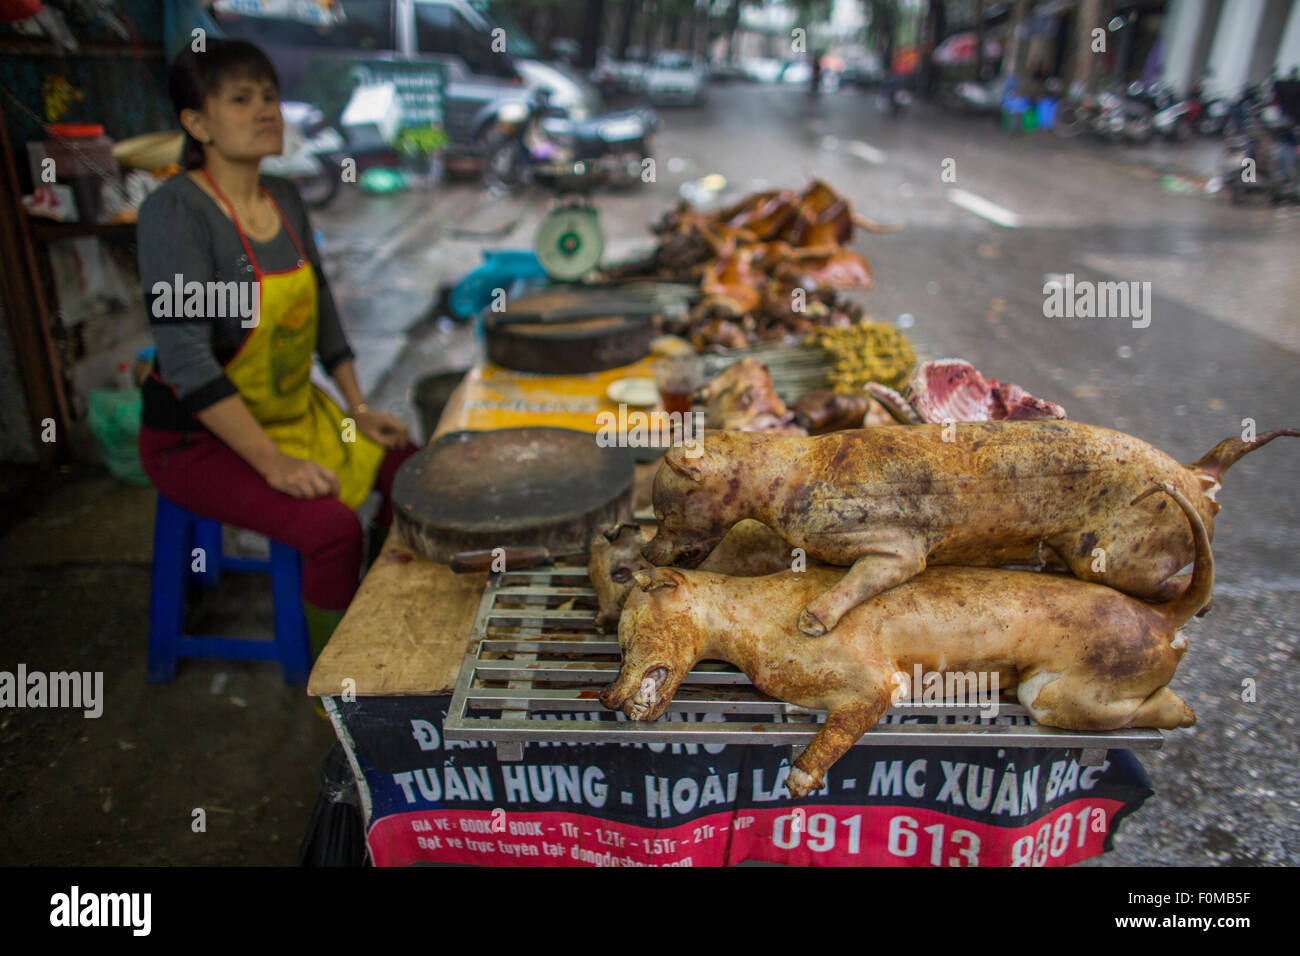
(535, 651)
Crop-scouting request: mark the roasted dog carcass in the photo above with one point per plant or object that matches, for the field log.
(749, 258)
(748, 549)
(889, 501)
(1081, 656)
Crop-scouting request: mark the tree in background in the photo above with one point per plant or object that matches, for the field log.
(934, 27)
(1013, 57)
(589, 40)
(884, 26)
(1088, 15)
(730, 26)
(625, 26)
(537, 17)
(808, 12)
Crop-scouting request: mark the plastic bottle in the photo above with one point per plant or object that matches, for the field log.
(123, 379)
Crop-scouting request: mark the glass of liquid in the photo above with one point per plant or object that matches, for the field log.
(677, 377)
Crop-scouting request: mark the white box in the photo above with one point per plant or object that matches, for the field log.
(373, 116)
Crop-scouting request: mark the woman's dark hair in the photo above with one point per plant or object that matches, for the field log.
(196, 76)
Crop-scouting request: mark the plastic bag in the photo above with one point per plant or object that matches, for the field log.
(501, 268)
(115, 422)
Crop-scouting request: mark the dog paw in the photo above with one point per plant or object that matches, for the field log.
(799, 783)
(810, 624)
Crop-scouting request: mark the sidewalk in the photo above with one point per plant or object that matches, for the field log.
(1196, 160)
(121, 789)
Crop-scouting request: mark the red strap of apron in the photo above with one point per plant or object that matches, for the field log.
(234, 217)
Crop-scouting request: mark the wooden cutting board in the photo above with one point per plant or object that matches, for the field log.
(571, 330)
(471, 491)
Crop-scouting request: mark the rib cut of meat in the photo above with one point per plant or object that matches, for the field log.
(954, 390)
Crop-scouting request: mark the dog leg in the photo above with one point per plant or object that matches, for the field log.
(1072, 701)
(843, 727)
(877, 570)
(1163, 709)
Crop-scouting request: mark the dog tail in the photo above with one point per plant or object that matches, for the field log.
(1197, 594)
(1209, 468)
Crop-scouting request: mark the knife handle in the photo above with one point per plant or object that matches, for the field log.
(515, 559)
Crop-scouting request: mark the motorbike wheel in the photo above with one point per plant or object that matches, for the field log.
(504, 170)
(1139, 130)
(1069, 122)
(319, 191)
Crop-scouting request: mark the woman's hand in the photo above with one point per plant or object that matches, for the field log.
(300, 477)
(383, 427)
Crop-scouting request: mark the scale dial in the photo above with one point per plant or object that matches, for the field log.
(569, 242)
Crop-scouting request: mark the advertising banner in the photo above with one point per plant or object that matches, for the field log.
(438, 800)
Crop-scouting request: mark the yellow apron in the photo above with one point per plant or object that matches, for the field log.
(272, 371)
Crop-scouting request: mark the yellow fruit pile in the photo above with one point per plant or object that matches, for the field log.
(866, 352)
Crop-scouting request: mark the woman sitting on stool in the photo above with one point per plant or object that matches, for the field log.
(232, 427)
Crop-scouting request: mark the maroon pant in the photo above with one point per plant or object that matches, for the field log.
(205, 476)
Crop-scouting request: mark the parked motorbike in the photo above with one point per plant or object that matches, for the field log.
(312, 156)
(1260, 159)
(1077, 116)
(1214, 117)
(1127, 118)
(1179, 119)
(533, 144)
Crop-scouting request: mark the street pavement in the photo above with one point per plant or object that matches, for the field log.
(989, 215)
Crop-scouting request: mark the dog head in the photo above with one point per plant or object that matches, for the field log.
(693, 514)
(660, 641)
(615, 557)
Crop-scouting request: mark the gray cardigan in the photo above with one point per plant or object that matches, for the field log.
(181, 230)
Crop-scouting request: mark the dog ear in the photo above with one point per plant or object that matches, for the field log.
(687, 469)
(615, 532)
(658, 579)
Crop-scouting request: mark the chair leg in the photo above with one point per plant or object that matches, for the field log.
(290, 622)
(171, 539)
(207, 536)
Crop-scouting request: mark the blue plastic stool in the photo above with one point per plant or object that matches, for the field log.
(1046, 113)
(177, 531)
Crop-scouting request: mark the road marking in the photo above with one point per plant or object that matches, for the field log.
(981, 207)
(867, 152)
